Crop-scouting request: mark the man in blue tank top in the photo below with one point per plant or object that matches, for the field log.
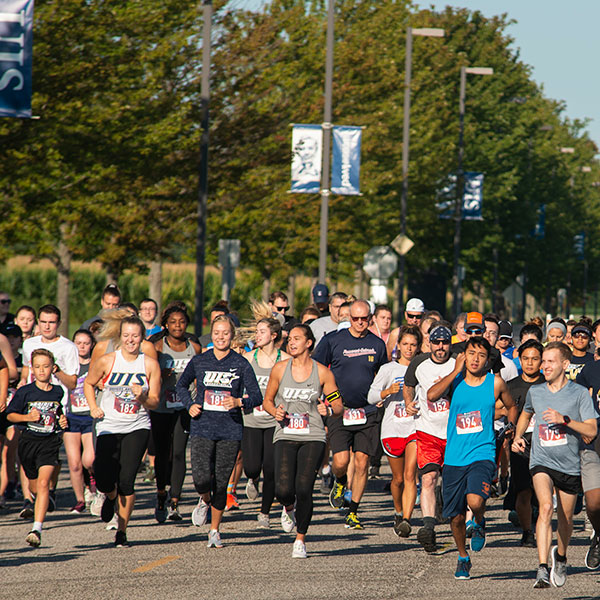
(469, 463)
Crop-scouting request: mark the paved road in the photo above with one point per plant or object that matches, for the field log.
(77, 559)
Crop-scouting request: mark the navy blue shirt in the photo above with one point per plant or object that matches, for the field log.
(49, 404)
(354, 363)
(216, 379)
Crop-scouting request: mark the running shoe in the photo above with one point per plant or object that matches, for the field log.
(149, 475)
(173, 512)
(27, 510)
(299, 550)
(558, 572)
(463, 568)
(214, 539)
(121, 539)
(426, 537)
(200, 513)
(336, 495)
(326, 483)
(528, 539)
(232, 502)
(160, 512)
(478, 537)
(353, 522)
(503, 485)
(513, 517)
(96, 504)
(252, 489)
(469, 527)
(542, 578)
(51, 500)
(108, 509)
(402, 527)
(88, 496)
(11, 490)
(79, 508)
(288, 520)
(34, 538)
(113, 524)
(374, 472)
(263, 521)
(592, 558)
(2, 502)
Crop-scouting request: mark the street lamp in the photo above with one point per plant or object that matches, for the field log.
(424, 32)
(460, 184)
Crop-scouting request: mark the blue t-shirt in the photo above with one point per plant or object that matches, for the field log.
(470, 432)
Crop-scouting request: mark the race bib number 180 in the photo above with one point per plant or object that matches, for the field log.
(298, 424)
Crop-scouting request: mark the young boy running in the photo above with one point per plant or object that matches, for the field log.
(37, 408)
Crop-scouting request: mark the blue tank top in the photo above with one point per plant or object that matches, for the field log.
(471, 423)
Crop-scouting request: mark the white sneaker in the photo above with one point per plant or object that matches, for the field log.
(199, 513)
(214, 539)
(299, 550)
(288, 520)
(96, 504)
(263, 521)
(113, 523)
(88, 496)
(251, 489)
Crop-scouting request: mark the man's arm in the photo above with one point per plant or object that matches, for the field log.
(438, 389)
(503, 395)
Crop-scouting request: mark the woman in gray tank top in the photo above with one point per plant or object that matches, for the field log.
(294, 398)
(259, 425)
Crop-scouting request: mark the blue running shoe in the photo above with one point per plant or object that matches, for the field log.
(478, 537)
(463, 568)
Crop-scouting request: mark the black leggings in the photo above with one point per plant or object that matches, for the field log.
(296, 466)
(118, 458)
(170, 439)
(257, 454)
(212, 465)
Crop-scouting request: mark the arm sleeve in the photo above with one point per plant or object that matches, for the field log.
(71, 366)
(17, 404)
(255, 397)
(586, 406)
(582, 379)
(528, 406)
(182, 387)
(410, 377)
(379, 383)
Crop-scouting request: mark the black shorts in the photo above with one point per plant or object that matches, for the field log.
(570, 484)
(519, 473)
(360, 438)
(36, 452)
(4, 423)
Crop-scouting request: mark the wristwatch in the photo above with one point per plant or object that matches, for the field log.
(566, 419)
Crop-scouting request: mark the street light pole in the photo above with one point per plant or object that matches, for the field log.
(428, 32)
(460, 183)
(327, 125)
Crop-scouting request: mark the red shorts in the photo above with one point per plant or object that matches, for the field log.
(430, 451)
(395, 447)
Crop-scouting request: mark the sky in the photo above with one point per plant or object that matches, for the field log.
(558, 38)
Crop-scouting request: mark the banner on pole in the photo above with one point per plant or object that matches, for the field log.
(472, 197)
(345, 167)
(16, 50)
(307, 152)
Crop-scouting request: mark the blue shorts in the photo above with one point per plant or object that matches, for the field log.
(80, 423)
(457, 482)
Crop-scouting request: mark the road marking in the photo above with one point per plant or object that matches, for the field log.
(156, 563)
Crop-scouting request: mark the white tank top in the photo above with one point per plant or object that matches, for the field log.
(122, 414)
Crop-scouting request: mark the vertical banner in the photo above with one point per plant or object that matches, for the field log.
(307, 152)
(345, 167)
(473, 196)
(16, 50)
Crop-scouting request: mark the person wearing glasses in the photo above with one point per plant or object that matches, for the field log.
(328, 322)
(474, 325)
(431, 420)
(6, 317)
(148, 311)
(581, 335)
(354, 356)
(413, 314)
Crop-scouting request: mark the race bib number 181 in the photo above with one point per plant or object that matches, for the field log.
(214, 400)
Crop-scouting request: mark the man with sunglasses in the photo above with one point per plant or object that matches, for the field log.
(354, 356)
(474, 325)
(581, 335)
(431, 420)
(413, 313)
(329, 322)
(6, 317)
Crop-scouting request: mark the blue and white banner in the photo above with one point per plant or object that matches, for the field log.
(307, 152)
(16, 50)
(345, 167)
(472, 197)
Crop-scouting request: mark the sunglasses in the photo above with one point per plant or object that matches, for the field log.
(5, 301)
(437, 342)
(475, 331)
(580, 334)
(355, 319)
(417, 316)
(282, 308)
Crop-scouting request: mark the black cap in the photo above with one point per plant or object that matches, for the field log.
(505, 329)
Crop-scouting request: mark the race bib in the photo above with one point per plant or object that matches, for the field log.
(551, 436)
(45, 424)
(531, 425)
(259, 411)
(469, 422)
(171, 400)
(213, 400)
(79, 403)
(440, 405)
(400, 412)
(297, 424)
(354, 416)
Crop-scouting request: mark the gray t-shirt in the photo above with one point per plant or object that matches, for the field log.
(322, 326)
(557, 446)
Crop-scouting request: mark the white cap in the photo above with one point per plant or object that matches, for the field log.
(415, 305)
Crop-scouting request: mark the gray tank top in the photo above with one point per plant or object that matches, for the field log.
(260, 418)
(300, 400)
(176, 361)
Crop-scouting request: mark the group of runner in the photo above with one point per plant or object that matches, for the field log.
(445, 408)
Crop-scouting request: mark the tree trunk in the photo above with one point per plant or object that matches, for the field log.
(111, 275)
(155, 284)
(63, 268)
(358, 279)
(266, 287)
(291, 293)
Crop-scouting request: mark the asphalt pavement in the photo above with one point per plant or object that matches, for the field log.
(77, 558)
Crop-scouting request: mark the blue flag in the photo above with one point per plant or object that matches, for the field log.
(472, 196)
(16, 50)
(345, 167)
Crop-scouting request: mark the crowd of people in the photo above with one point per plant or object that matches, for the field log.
(460, 411)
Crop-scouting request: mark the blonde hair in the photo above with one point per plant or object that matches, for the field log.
(223, 319)
(111, 326)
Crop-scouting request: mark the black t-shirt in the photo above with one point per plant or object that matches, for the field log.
(495, 357)
(48, 403)
(577, 364)
(518, 389)
(10, 319)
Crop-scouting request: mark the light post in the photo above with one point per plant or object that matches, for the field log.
(460, 184)
(425, 32)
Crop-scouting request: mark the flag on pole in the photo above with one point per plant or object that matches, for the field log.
(345, 167)
(307, 152)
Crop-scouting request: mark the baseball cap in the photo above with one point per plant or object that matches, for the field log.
(505, 329)
(415, 305)
(474, 319)
(440, 333)
(12, 330)
(581, 328)
(320, 293)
